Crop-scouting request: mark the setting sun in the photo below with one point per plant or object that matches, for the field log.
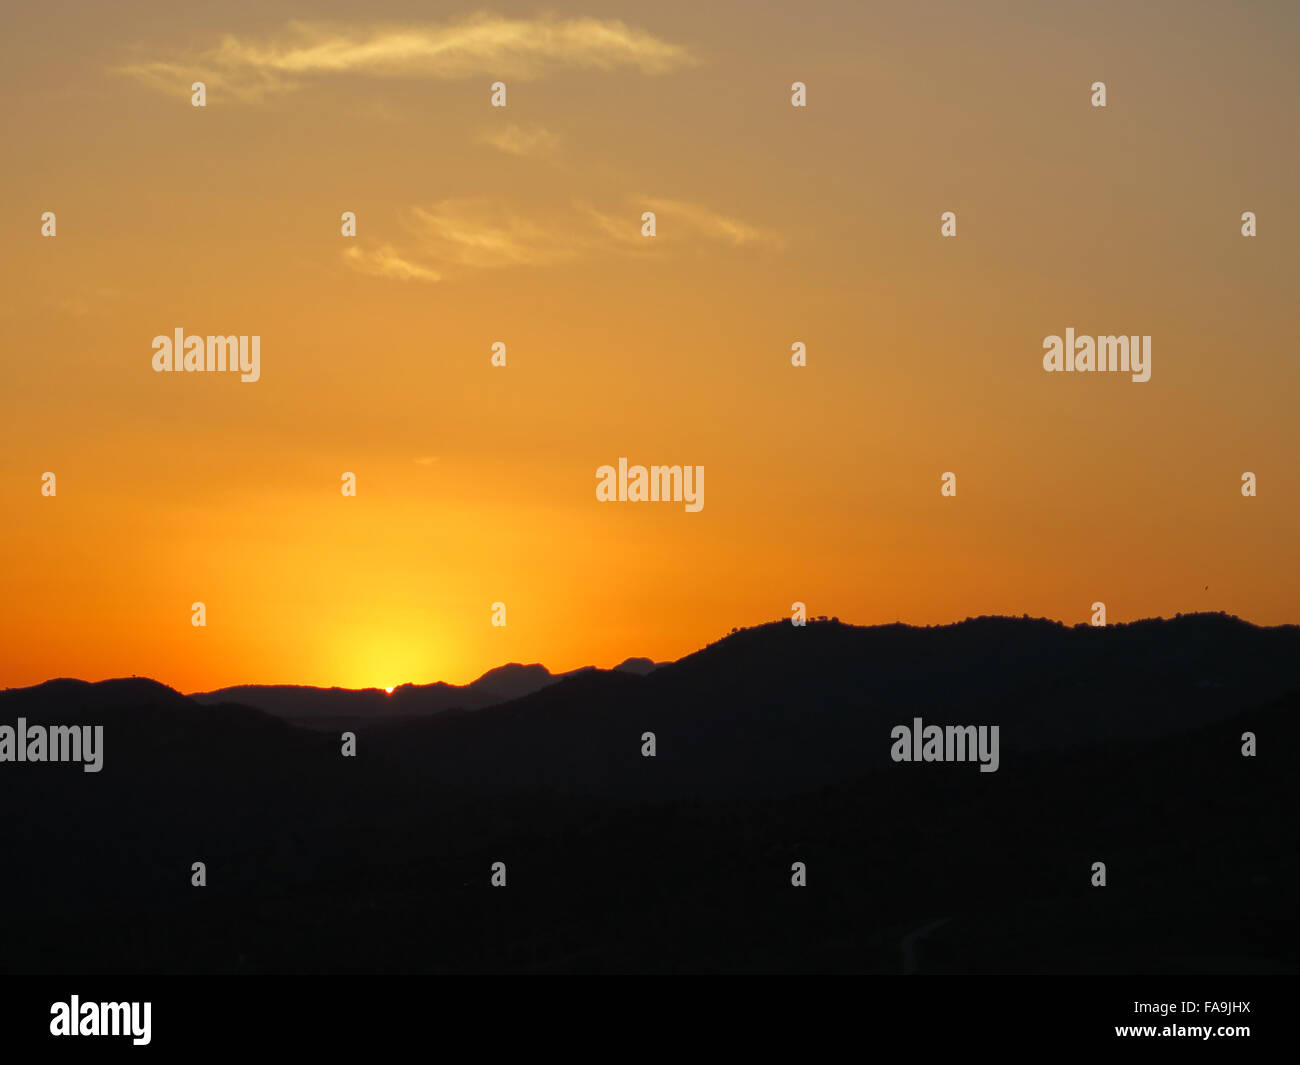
(379, 514)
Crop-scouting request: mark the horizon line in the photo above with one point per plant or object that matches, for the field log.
(820, 619)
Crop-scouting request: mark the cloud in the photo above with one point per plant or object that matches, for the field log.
(615, 229)
(426, 460)
(675, 219)
(515, 140)
(481, 45)
(384, 261)
(458, 235)
(481, 234)
(707, 223)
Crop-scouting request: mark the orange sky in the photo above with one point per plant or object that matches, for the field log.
(476, 484)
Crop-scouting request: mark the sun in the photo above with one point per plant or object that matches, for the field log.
(389, 690)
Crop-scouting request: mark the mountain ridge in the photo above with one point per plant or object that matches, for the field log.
(1122, 745)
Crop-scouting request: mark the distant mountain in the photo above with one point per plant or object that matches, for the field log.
(104, 695)
(343, 707)
(1121, 744)
(339, 707)
(639, 666)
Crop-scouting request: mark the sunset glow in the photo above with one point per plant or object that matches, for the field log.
(521, 225)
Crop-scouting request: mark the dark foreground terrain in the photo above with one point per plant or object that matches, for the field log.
(1120, 745)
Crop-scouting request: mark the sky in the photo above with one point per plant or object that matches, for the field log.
(523, 225)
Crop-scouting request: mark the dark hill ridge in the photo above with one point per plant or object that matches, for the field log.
(639, 666)
(1020, 659)
(1121, 744)
(821, 698)
(778, 709)
(341, 707)
(103, 695)
(772, 709)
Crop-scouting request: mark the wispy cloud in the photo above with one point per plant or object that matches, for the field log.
(481, 45)
(615, 230)
(515, 140)
(470, 234)
(454, 236)
(675, 219)
(702, 221)
(384, 261)
(482, 234)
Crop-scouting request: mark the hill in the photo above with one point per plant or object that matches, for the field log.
(1121, 745)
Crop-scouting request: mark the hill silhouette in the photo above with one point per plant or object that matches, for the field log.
(338, 707)
(775, 709)
(1120, 745)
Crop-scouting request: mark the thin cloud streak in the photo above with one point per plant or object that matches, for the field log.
(385, 262)
(708, 223)
(515, 140)
(456, 235)
(481, 45)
